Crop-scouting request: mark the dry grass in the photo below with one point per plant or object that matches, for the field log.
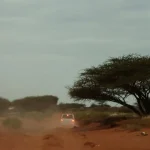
(132, 127)
(136, 124)
(87, 117)
(13, 123)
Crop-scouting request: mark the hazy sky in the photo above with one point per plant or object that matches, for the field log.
(44, 44)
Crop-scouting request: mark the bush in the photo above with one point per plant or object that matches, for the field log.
(13, 123)
(132, 127)
(106, 119)
(136, 124)
(87, 117)
(112, 121)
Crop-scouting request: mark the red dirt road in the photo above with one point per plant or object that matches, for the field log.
(67, 140)
(42, 136)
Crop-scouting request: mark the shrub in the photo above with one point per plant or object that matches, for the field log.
(112, 121)
(13, 123)
(88, 117)
(132, 127)
(136, 124)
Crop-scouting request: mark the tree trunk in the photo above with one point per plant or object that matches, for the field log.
(146, 105)
(134, 109)
(140, 105)
(138, 112)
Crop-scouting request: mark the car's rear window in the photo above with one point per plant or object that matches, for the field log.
(65, 116)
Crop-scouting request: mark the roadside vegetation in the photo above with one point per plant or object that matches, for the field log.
(12, 123)
(135, 124)
(122, 80)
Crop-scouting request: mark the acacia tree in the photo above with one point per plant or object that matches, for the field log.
(116, 80)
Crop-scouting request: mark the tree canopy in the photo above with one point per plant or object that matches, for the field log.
(36, 103)
(116, 80)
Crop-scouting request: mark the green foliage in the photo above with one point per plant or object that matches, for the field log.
(13, 123)
(114, 81)
(36, 103)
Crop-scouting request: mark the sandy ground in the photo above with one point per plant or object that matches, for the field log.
(45, 136)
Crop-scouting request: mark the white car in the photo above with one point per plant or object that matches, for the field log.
(68, 120)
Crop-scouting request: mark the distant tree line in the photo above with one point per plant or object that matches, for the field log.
(36, 103)
(43, 103)
(32, 103)
(70, 106)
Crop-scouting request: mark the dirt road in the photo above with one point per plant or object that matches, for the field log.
(45, 138)
(66, 140)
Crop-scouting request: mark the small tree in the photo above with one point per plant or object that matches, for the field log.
(116, 80)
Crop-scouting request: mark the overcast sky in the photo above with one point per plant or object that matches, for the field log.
(44, 44)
